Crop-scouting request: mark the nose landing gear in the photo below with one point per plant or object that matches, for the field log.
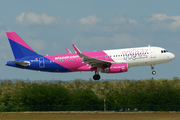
(153, 72)
(152, 68)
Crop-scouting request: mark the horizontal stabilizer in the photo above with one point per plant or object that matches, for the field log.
(25, 63)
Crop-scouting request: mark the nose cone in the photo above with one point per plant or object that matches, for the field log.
(172, 56)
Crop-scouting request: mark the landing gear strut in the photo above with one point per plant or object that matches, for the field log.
(152, 68)
(96, 76)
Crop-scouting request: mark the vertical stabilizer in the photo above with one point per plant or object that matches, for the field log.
(19, 47)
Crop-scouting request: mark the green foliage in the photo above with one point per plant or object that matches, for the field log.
(161, 92)
(45, 94)
(85, 97)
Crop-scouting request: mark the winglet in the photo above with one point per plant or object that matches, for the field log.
(76, 49)
(69, 52)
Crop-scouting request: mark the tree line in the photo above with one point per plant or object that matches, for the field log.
(82, 92)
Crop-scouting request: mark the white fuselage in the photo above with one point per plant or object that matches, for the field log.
(141, 56)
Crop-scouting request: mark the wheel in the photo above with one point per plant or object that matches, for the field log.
(96, 77)
(153, 72)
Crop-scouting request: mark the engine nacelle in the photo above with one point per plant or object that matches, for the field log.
(116, 68)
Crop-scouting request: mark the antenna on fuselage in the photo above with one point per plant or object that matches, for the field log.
(149, 46)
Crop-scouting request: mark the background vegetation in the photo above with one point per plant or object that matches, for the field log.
(88, 93)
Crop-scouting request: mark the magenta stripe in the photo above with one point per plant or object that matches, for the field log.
(74, 64)
(99, 55)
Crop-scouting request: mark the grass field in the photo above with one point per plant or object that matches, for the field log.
(89, 116)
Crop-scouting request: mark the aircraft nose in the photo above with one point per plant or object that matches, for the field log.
(173, 56)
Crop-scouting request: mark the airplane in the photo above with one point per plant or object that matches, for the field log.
(105, 61)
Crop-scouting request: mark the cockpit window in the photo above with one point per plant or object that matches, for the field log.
(164, 51)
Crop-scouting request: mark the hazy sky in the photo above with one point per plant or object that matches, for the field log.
(50, 26)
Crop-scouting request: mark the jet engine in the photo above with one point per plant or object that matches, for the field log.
(116, 68)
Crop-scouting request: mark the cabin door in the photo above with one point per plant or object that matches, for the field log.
(41, 63)
(153, 53)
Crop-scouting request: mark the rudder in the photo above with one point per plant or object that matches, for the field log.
(19, 47)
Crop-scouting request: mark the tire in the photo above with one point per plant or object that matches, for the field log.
(96, 77)
(153, 72)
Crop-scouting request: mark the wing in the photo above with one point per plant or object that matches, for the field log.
(24, 63)
(92, 61)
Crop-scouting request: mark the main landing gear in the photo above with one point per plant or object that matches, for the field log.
(96, 76)
(152, 68)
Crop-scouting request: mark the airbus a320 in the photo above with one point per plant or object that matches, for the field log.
(105, 61)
